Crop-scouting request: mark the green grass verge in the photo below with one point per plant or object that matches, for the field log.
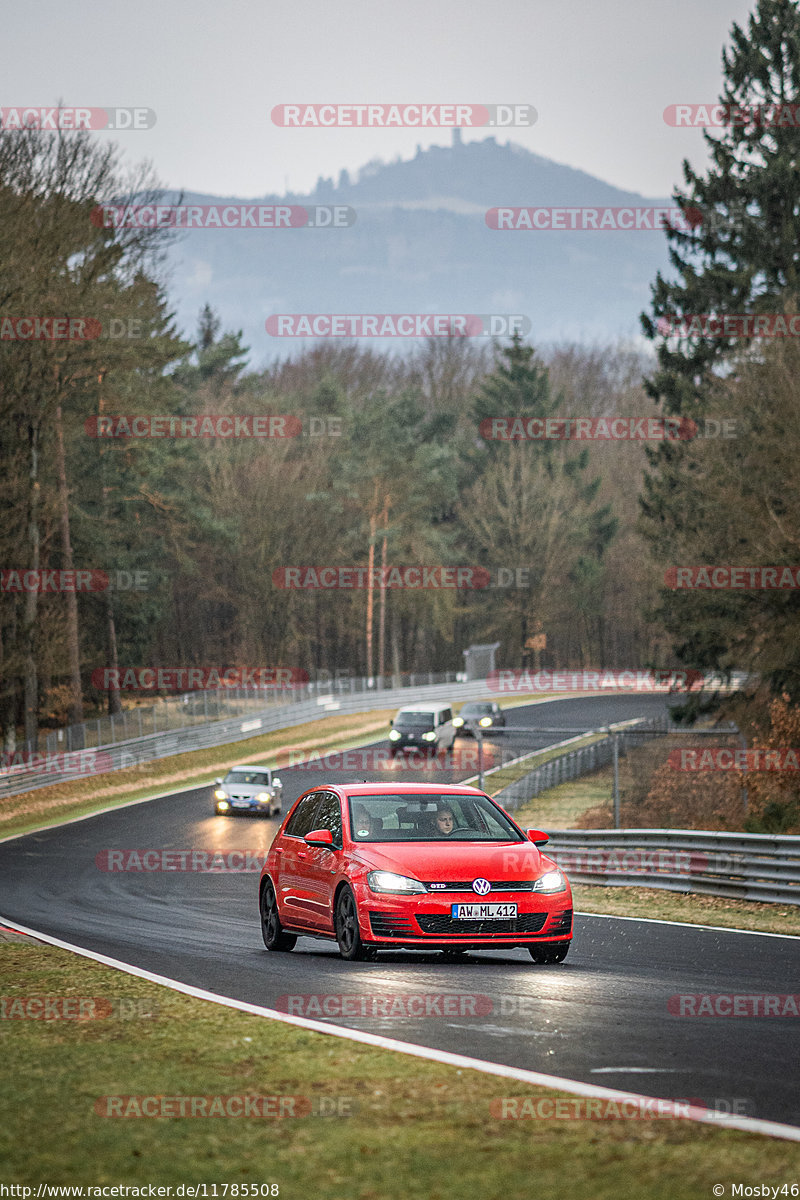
(661, 905)
(418, 1130)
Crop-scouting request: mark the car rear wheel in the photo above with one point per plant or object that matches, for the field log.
(275, 938)
(555, 952)
(348, 935)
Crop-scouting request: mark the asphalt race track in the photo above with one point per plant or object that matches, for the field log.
(601, 1017)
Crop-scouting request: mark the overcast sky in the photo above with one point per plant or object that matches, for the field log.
(598, 72)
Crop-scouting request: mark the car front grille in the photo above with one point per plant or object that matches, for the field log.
(524, 885)
(438, 923)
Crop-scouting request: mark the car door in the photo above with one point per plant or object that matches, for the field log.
(293, 887)
(322, 864)
(445, 728)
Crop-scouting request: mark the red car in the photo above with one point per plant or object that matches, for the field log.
(422, 866)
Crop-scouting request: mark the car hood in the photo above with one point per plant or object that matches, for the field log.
(452, 862)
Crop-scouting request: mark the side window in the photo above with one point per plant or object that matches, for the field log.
(301, 821)
(445, 715)
(329, 816)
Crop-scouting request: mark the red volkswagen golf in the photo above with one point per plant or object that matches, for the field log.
(383, 865)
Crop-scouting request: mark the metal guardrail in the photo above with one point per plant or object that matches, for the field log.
(747, 866)
(297, 710)
(579, 761)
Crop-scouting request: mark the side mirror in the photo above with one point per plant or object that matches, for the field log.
(319, 837)
(218, 782)
(391, 723)
(538, 837)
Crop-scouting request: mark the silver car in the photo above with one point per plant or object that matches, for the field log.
(248, 789)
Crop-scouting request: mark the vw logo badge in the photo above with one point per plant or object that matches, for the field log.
(481, 886)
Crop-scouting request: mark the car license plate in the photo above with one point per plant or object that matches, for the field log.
(241, 803)
(483, 912)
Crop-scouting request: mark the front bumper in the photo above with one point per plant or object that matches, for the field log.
(426, 922)
(249, 806)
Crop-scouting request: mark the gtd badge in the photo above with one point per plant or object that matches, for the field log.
(481, 886)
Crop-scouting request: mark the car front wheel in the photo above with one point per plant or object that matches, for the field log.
(555, 952)
(275, 938)
(348, 934)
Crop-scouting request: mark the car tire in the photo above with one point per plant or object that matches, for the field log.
(554, 952)
(273, 933)
(348, 934)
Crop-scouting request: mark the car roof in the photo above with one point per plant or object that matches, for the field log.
(403, 789)
(248, 767)
(426, 708)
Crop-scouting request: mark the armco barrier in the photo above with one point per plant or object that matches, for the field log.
(748, 866)
(579, 762)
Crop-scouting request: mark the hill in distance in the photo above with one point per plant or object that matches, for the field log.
(420, 244)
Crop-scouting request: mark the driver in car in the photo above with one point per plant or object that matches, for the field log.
(445, 821)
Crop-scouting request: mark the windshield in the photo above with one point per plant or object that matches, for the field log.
(415, 718)
(429, 818)
(469, 709)
(255, 778)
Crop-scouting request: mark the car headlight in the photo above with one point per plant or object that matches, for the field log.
(551, 881)
(485, 722)
(223, 806)
(394, 735)
(387, 881)
(430, 736)
(263, 797)
(458, 722)
(220, 794)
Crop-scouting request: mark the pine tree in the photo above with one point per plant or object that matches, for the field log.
(742, 257)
